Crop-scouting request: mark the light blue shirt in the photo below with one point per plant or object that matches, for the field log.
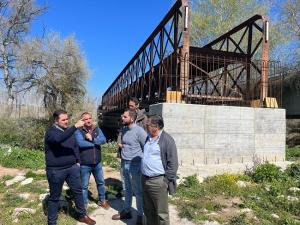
(151, 162)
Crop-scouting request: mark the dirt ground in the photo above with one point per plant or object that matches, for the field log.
(10, 172)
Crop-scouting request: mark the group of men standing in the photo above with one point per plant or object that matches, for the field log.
(149, 164)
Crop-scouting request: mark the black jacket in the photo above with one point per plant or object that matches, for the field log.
(61, 149)
(169, 159)
(90, 151)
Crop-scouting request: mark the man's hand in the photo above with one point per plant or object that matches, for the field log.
(79, 124)
(120, 145)
(88, 136)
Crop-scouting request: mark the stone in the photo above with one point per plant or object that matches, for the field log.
(24, 196)
(292, 199)
(200, 179)
(275, 216)
(18, 211)
(294, 189)
(207, 222)
(27, 181)
(246, 210)
(14, 180)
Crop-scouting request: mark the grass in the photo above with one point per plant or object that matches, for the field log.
(293, 153)
(219, 198)
(22, 158)
(34, 161)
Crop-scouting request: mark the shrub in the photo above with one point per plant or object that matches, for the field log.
(293, 170)
(293, 153)
(25, 132)
(267, 172)
(223, 184)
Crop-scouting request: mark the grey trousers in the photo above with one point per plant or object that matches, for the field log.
(155, 196)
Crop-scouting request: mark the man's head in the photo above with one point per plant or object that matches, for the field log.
(155, 124)
(133, 103)
(87, 118)
(61, 118)
(129, 117)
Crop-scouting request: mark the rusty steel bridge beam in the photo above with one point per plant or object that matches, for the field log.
(166, 60)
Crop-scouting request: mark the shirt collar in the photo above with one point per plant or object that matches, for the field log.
(58, 127)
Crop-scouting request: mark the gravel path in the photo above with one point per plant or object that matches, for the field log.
(103, 217)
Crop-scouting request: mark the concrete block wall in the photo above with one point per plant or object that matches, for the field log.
(215, 135)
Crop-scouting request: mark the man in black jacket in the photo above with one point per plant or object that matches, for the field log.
(159, 167)
(62, 164)
(90, 138)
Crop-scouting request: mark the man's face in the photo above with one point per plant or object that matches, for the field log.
(62, 121)
(126, 119)
(132, 105)
(153, 130)
(88, 120)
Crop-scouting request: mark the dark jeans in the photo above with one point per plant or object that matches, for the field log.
(155, 195)
(56, 179)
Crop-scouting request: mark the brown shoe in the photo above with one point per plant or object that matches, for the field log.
(87, 220)
(104, 204)
(122, 216)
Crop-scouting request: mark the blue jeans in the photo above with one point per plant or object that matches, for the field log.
(131, 178)
(96, 170)
(56, 179)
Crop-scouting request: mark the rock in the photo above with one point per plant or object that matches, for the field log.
(14, 180)
(268, 187)
(24, 196)
(18, 211)
(207, 222)
(246, 210)
(291, 198)
(241, 184)
(200, 179)
(275, 216)
(294, 189)
(27, 181)
(212, 214)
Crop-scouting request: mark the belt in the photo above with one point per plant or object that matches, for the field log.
(152, 177)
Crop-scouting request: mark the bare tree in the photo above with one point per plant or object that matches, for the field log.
(57, 69)
(15, 20)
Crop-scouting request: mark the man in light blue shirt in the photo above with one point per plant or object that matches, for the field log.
(159, 168)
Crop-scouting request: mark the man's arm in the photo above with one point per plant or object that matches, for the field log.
(172, 159)
(81, 141)
(100, 139)
(142, 137)
(54, 136)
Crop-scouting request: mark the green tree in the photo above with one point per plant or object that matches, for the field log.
(212, 18)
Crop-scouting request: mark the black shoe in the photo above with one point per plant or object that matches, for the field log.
(122, 216)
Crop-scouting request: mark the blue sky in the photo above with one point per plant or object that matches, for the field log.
(109, 32)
